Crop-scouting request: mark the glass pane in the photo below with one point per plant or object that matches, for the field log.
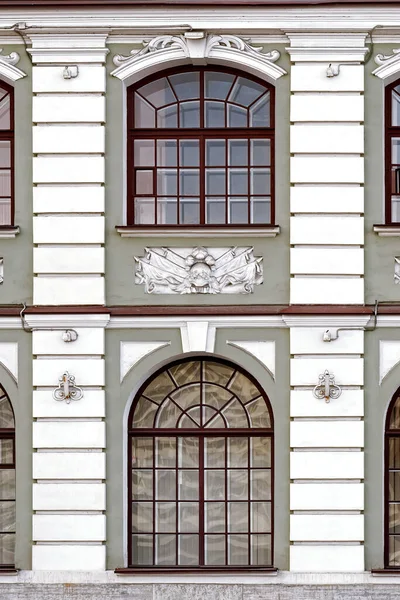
(243, 387)
(165, 484)
(394, 422)
(217, 85)
(7, 549)
(260, 210)
(238, 450)
(394, 518)
(214, 452)
(144, 153)
(159, 388)
(5, 115)
(237, 181)
(260, 517)
(168, 415)
(238, 549)
(158, 92)
(142, 485)
(394, 453)
(144, 211)
(260, 181)
(7, 517)
(165, 549)
(186, 372)
(142, 452)
(260, 484)
(167, 155)
(5, 154)
(7, 484)
(142, 517)
(214, 549)
(195, 413)
(215, 396)
(394, 486)
(144, 182)
(261, 552)
(238, 520)
(396, 106)
(237, 116)
(396, 151)
(6, 413)
(188, 485)
(396, 210)
(238, 210)
(238, 485)
(166, 517)
(167, 117)
(260, 112)
(215, 211)
(189, 182)
(215, 181)
(214, 483)
(258, 412)
(186, 422)
(186, 85)
(142, 549)
(145, 115)
(215, 153)
(238, 153)
(187, 396)
(188, 452)
(5, 183)
(260, 152)
(217, 372)
(235, 414)
(188, 549)
(245, 91)
(189, 153)
(214, 114)
(190, 114)
(5, 211)
(167, 182)
(6, 451)
(167, 211)
(260, 452)
(394, 551)
(166, 452)
(214, 517)
(188, 517)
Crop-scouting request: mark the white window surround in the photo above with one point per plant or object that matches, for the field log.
(388, 66)
(8, 70)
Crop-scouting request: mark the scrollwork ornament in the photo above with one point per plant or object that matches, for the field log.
(67, 390)
(236, 43)
(11, 59)
(161, 42)
(381, 59)
(326, 388)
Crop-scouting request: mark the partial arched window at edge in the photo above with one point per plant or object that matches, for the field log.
(200, 149)
(6, 154)
(7, 482)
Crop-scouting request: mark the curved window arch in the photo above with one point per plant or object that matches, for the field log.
(7, 481)
(6, 154)
(200, 149)
(200, 469)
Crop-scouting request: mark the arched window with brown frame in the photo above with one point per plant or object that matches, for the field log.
(200, 149)
(7, 482)
(6, 154)
(200, 461)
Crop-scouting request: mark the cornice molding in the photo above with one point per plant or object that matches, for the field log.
(326, 320)
(43, 321)
(203, 232)
(327, 46)
(8, 70)
(389, 64)
(197, 47)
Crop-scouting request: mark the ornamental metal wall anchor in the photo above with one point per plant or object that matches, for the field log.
(327, 388)
(67, 390)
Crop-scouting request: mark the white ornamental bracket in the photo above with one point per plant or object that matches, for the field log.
(326, 388)
(67, 390)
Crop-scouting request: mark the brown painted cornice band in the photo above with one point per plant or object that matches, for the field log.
(197, 3)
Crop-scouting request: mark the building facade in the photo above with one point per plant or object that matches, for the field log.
(200, 299)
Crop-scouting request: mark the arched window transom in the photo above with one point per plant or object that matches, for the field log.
(7, 482)
(200, 149)
(201, 442)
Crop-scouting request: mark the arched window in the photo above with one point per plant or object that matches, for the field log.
(7, 482)
(200, 469)
(200, 150)
(6, 154)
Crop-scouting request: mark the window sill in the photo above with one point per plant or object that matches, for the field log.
(195, 571)
(384, 230)
(388, 572)
(127, 231)
(8, 231)
(9, 571)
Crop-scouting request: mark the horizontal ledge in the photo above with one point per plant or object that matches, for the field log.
(208, 232)
(180, 570)
(385, 230)
(385, 572)
(8, 231)
(10, 570)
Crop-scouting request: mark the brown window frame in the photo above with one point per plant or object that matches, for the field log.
(8, 434)
(201, 433)
(390, 132)
(226, 133)
(9, 136)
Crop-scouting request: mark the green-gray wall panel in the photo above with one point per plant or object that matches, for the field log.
(120, 287)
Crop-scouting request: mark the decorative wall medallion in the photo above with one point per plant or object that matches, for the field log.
(326, 387)
(199, 270)
(397, 269)
(67, 390)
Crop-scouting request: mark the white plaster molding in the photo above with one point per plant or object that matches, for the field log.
(132, 352)
(9, 358)
(327, 46)
(8, 70)
(197, 336)
(387, 230)
(172, 322)
(199, 270)
(397, 269)
(11, 231)
(326, 320)
(196, 47)
(389, 64)
(67, 321)
(263, 351)
(389, 357)
(202, 232)
(65, 55)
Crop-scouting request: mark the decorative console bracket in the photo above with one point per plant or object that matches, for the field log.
(326, 387)
(389, 64)
(67, 390)
(7, 66)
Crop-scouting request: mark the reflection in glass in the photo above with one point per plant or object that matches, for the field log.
(214, 517)
(167, 117)
(217, 85)
(186, 85)
(238, 182)
(167, 211)
(396, 106)
(189, 211)
(165, 517)
(144, 153)
(189, 182)
(158, 92)
(238, 153)
(245, 91)
(167, 153)
(142, 549)
(144, 211)
(5, 113)
(260, 112)
(237, 210)
(145, 115)
(260, 152)
(165, 484)
(215, 211)
(142, 517)
(142, 485)
(5, 154)
(165, 549)
(260, 210)
(189, 153)
(188, 549)
(214, 549)
(214, 114)
(144, 182)
(167, 182)
(238, 550)
(190, 114)
(215, 181)
(237, 116)
(215, 153)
